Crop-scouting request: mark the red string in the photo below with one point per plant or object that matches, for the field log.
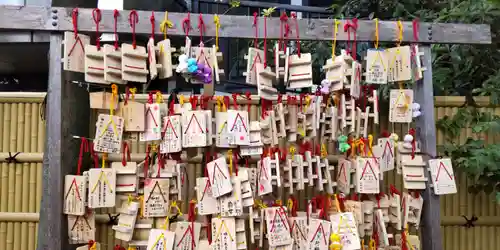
(171, 106)
(416, 194)
(75, 21)
(133, 18)
(256, 25)
(416, 27)
(161, 164)
(354, 27)
(235, 154)
(96, 15)
(283, 35)
(118, 247)
(294, 15)
(126, 151)
(84, 147)
(152, 19)
(295, 205)
(201, 27)
(280, 98)
(186, 24)
(94, 155)
(235, 98)
(413, 142)
(127, 93)
(393, 190)
(146, 161)
(265, 42)
(379, 197)
(150, 98)
(194, 101)
(116, 13)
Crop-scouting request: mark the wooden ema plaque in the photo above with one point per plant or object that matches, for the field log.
(74, 51)
(152, 132)
(126, 222)
(367, 176)
(172, 141)
(255, 146)
(413, 169)
(399, 64)
(187, 235)
(279, 119)
(265, 185)
(291, 122)
(160, 239)
(102, 187)
(356, 208)
(348, 114)
(345, 225)
(298, 230)
(238, 127)
(327, 120)
(194, 129)
(281, 62)
(133, 114)
(395, 211)
(383, 238)
(384, 150)
(75, 193)
(241, 238)
(355, 87)
(344, 176)
(416, 62)
(383, 203)
(411, 209)
(362, 122)
(126, 176)
(156, 197)
(367, 208)
(231, 205)
(442, 176)
(96, 246)
(318, 235)
(324, 181)
(224, 234)
(207, 204)
(254, 220)
(268, 130)
(265, 79)
(81, 228)
(134, 63)
(165, 58)
(154, 67)
(220, 181)
(336, 71)
(222, 136)
(400, 106)
(278, 229)
(296, 178)
(109, 131)
(210, 57)
(94, 64)
(300, 71)
(377, 66)
(253, 57)
(252, 178)
(102, 100)
(246, 188)
(112, 64)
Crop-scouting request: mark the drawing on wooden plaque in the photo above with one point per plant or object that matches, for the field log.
(156, 197)
(102, 185)
(298, 230)
(206, 56)
(238, 127)
(367, 176)
(264, 176)
(395, 211)
(241, 237)
(112, 64)
(253, 57)
(278, 229)
(94, 64)
(344, 176)
(223, 234)
(154, 67)
(231, 204)
(220, 181)
(81, 228)
(265, 79)
(134, 63)
(160, 239)
(187, 235)
(133, 114)
(399, 64)
(416, 62)
(355, 87)
(126, 176)
(165, 58)
(383, 238)
(207, 204)
(74, 51)
(318, 234)
(411, 209)
(377, 65)
(152, 132)
(442, 176)
(222, 137)
(194, 129)
(300, 71)
(172, 141)
(109, 131)
(400, 105)
(255, 146)
(413, 170)
(345, 225)
(384, 150)
(75, 193)
(124, 230)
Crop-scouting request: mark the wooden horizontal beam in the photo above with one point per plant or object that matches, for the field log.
(60, 19)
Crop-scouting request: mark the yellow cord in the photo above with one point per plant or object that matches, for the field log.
(376, 33)
(114, 94)
(217, 27)
(292, 151)
(400, 33)
(336, 24)
(370, 145)
(165, 25)
(230, 156)
(132, 93)
(159, 97)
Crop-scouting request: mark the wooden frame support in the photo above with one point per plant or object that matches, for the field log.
(65, 107)
(432, 238)
(59, 19)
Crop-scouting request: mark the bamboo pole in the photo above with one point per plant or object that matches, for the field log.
(25, 169)
(11, 177)
(23, 157)
(5, 174)
(18, 168)
(32, 175)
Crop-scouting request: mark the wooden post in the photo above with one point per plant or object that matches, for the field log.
(67, 105)
(426, 133)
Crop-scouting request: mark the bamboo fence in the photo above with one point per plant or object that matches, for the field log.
(20, 187)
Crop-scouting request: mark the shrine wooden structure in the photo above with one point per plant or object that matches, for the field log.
(68, 109)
